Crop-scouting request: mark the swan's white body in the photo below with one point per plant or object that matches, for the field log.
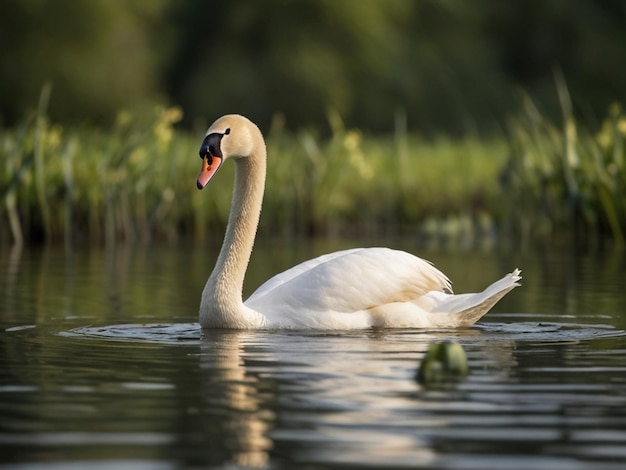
(351, 289)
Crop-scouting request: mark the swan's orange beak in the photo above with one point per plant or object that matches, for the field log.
(208, 170)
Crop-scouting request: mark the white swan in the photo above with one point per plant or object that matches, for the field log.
(359, 288)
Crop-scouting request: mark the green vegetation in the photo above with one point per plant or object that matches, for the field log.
(418, 92)
(445, 363)
(453, 66)
(136, 180)
(349, 181)
(563, 177)
(84, 182)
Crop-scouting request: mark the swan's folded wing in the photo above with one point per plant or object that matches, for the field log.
(296, 271)
(350, 281)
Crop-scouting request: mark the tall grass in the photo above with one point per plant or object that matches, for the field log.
(136, 180)
(354, 183)
(563, 177)
(81, 182)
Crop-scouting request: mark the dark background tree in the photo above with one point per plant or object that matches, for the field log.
(452, 66)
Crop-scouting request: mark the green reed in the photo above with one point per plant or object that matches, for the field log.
(562, 177)
(136, 180)
(59, 183)
(351, 183)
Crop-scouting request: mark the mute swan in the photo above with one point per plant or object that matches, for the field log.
(357, 288)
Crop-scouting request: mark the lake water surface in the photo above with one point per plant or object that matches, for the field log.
(103, 366)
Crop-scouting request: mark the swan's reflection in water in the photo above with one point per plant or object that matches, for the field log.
(320, 397)
(261, 399)
(233, 399)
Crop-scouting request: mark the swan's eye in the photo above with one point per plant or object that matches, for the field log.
(227, 131)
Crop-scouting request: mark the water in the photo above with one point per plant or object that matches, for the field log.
(103, 366)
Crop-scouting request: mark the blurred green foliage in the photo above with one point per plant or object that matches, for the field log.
(561, 176)
(136, 181)
(98, 56)
(451, 66)
(379, 114)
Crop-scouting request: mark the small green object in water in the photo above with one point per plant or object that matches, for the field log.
(443, 362)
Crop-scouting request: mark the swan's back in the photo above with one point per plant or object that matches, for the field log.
(347, 284)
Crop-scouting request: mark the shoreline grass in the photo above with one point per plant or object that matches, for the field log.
(563, 177)
(136, 181)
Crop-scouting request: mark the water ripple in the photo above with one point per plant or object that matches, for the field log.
(521, 329)
(176, 333)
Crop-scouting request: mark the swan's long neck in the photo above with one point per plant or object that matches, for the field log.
(222, 301)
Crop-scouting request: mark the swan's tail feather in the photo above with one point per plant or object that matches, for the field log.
(467, 309)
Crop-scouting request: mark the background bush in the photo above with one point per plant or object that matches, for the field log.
(452, 67)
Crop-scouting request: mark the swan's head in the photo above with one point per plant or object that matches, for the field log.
(231, 136)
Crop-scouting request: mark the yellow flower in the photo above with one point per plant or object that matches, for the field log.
(52, 138)
(137, 156)
(162, 129)
(173, 114)
(352, 140)
(170, 115)
(621, 125)
(123, 118)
